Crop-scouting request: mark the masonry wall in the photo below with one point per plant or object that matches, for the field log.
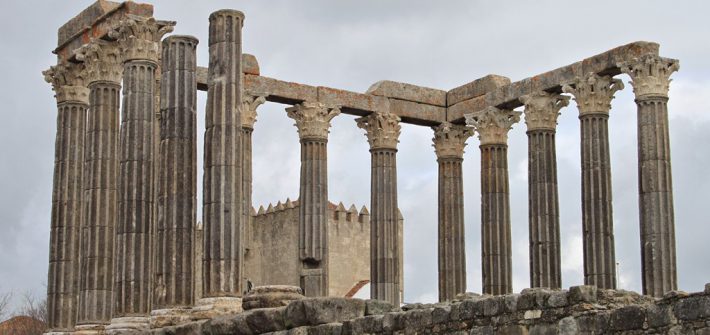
(579, 310)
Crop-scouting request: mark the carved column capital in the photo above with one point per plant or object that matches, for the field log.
(139, 37)
(542, 109)
(593, 93)
(382, 130)
(248, 109)
(68, 82)
(312, 119)
(650, 74)
(492, 124)
(450, 140)
(102, 60)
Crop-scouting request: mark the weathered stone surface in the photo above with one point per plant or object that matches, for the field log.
(271, 296)
(408, 92)
(692, 308)
(475, 88)
(583, 293)
(376, 307)
(316, 311)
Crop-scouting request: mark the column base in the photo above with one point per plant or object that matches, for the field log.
(66, 332)
(160, 318)
(128, 325)
(89, 329)
(208, 308)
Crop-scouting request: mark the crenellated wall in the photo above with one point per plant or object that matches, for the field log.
(272, 258)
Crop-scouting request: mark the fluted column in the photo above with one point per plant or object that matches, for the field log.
(541, 111)
(313, 123)
(593, 94)
(248, 110)
(382, 131)
(139, 40)
(492, 125)
(67, 192)
(650, 79)
(449, 142)
(104, 71)
(177, 183)
(222, 200)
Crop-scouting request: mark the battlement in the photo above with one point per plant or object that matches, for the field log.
(337, 212)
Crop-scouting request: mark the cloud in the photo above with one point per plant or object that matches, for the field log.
(352, 44)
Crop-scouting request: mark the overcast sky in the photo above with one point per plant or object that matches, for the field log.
(351, 45)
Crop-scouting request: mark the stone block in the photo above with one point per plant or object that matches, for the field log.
(493, 306)
(468, 309)
(279, 91)
(326, 329)
(375, 307)
(627, 318)
(569, 326)
(351, 102)
(417, 113)
(544, 329)
(707, 288)
(533, 298)
(596, 323)
(557, 299)
(532, 314)
(482, 330)
(266, 320)
(316, 311)
(475, 88)
(392, 322)
(659, 315)
(418, 318)
(441, 314)
(582, 293)
(512, 330)
(228, 325)
(271, 296)
(456, 112)
(692, 308)
(408, 92)
(367, 325)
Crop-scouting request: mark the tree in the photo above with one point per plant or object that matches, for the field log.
(4, 304)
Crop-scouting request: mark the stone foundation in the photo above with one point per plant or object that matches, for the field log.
(579, 310)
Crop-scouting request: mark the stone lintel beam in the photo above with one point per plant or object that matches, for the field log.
(408, 92)
(476, 88)
(96, 21)
(507, 97)
(352, 103)
(249, 66)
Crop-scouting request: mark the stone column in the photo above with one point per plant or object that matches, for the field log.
(104, 71)
(313, 121)
(67, 192)
(593, 94)
(541, 111)
(449, 142)
(248, 110)
(382, 131)
(139, 40)
(177, 183)
(492, 125)
(222, 194)
(650, 79)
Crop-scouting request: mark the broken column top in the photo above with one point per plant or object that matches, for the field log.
(95, 22)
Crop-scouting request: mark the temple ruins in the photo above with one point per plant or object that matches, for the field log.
(128, 253)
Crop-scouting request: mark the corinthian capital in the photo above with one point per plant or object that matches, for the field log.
(102, 61)
(139, 37)
(382, 130)
(68, 82)
(450, 140)
(312, 119)
(248, 109)
(650, 74)
(593, 93)
(542, 109)
(492, 124)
